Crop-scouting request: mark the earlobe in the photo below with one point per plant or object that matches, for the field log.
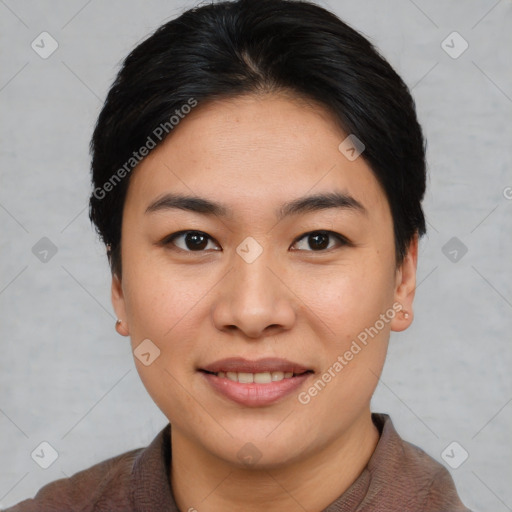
(119, 305)
(406, 288)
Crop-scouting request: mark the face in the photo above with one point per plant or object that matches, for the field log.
(264, 283)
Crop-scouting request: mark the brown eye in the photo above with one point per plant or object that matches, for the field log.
(191, 241)
(319, 240)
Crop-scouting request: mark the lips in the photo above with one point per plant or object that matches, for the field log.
(269, 364)
(255, 383)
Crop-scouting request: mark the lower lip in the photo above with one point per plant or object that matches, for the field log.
(254, 395)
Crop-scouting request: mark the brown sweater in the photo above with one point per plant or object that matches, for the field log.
(398, 477)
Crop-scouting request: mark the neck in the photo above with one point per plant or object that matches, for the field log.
(203, 482)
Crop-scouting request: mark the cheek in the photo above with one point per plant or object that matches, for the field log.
(161, 298)
(162, 306)
(353, 351)
(347, 298)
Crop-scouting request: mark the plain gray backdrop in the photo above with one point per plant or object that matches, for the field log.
(67, 378)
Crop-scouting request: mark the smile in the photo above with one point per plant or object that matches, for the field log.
(255, 383)
(258, 378)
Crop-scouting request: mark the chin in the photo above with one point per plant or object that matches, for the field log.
(262, 446)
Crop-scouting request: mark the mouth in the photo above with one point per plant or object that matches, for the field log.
(258, 378)
(255, 383)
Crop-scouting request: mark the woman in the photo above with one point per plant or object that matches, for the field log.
(258, 172)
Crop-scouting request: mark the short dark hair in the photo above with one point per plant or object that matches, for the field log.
(232, 48)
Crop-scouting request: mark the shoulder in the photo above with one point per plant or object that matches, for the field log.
(95, 488)
(417, 476)
(435, 483)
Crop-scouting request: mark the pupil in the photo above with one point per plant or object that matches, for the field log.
(321, 241)
(193, 241)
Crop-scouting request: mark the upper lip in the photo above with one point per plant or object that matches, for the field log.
(267, 364)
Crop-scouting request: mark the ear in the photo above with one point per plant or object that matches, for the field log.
(406, 287)
(119, 305)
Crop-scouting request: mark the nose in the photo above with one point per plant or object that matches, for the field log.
(254, 299)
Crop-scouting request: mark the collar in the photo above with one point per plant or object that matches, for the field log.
(151, 489)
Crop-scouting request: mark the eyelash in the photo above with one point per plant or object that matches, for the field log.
(168, 240)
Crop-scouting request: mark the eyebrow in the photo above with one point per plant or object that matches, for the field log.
(298, 206)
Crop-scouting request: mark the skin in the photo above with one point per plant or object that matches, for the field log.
(254, 153)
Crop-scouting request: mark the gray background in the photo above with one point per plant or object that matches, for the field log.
(66, 376)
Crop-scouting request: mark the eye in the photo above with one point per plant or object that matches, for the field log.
(197, 241)
(319, 240)
(191, 241)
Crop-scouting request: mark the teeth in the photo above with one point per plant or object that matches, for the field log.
(262, 378)
(245, 378)
(232, 376)
(258, 378)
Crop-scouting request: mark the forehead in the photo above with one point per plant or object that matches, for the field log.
(251, 151)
